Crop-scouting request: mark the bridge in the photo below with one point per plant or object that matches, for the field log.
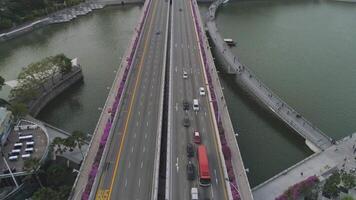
(315, 139)
(123, 158)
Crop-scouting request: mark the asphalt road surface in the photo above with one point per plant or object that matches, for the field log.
(185, 56)
(128, 171)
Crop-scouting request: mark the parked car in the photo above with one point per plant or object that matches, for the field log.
(190, 150)
(190, 171)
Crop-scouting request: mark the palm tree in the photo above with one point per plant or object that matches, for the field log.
(79, 140)
(58, 145)
(32, 166)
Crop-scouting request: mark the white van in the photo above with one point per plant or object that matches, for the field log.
(195, 105)
(194, 192)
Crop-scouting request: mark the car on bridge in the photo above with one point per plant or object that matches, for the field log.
(186, 122)
(202, 91)
(190, 171)
(185, 75)
(197, 138)
(186, 105)
(190, 150)
(195, 105)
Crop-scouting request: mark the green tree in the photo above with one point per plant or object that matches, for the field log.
(79, 140)
(58, 145)
(64, 63)
(330, 188)
(19, 110)
(32, 166)
(45, 194)
(348, 180)
(56, 175)
(348, 198)
(2, 82)
(5, 23)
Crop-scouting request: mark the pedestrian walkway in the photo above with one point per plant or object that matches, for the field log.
(337, 157)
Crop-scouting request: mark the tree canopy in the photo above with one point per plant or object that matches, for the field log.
(15, 12)
(32, 79)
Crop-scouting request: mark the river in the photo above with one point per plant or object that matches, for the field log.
(98, 40)
(303, 50)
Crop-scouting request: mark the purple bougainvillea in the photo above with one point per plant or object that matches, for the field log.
(295, 191)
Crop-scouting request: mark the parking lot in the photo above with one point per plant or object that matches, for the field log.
(30, 143)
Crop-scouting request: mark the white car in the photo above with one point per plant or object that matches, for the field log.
(202, 91)
(185, 75)
(195, 105)
(194, 193)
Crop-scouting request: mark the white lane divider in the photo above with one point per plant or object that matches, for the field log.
(177, 165)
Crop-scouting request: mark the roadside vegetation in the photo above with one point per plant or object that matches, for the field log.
(16, 12)
(336, 186)
(54, 178)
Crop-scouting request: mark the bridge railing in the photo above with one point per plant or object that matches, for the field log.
(225, 151)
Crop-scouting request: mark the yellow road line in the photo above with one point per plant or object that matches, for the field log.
(131, 104)
(202, 69)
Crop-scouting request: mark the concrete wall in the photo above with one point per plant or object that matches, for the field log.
(36, 106)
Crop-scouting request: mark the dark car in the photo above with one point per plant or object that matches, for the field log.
(185, 105)
(190, 150)
(190, 171)
(186, 122)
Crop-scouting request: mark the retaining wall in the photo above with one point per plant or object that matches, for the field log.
(54, 90)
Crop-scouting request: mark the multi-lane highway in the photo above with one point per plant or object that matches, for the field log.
(129, 168)
(185, 56)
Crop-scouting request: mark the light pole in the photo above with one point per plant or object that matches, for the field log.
(226, 179)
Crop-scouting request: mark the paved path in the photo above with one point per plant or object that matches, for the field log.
(315, 138)
(322, 164)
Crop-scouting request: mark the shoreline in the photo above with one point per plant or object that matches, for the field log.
(62, 16)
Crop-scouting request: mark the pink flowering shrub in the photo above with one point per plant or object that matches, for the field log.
(295, 191)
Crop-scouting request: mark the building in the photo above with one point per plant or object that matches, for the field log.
(5, 125)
